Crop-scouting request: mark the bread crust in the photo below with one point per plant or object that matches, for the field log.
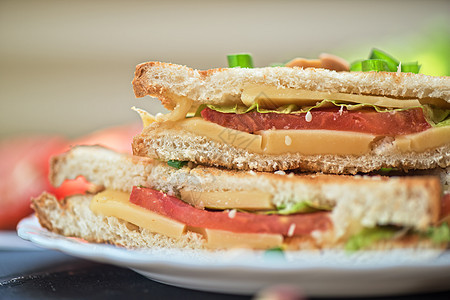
(223, 86)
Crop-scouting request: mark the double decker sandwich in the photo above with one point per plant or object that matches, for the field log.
(226, 167)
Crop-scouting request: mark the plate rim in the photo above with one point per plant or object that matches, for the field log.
(230, 275)
(29, 226)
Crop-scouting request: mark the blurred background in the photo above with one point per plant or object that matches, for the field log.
(66, 66)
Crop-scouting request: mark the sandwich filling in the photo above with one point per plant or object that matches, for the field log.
(168, 215)
(329, 126)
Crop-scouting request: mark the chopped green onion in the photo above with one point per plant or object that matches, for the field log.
(381, 61)
(240, 60)
(391, 61)
(378, 65)
(412, 67)
(177, 163)
(356, 66)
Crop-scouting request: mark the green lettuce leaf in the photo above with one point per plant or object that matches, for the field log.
(295, 109)
(368, 236)
(436, 117)
(440, 234)
(446, 122)
(297, 208)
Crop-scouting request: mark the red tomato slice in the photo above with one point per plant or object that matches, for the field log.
(174, 208)
(118, 138)
(445, 206)
(365, 121)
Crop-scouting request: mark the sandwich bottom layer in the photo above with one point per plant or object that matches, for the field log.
(73, 217)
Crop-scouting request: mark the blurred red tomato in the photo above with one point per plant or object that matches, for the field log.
(24, 168)
(118, 138)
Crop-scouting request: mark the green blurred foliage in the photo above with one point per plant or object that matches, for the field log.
(430, 47)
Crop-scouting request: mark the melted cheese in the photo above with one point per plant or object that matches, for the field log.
(272, 97)
(250, 200)
(146, 118)
(116, 204)
(182, 107)
(225, 239)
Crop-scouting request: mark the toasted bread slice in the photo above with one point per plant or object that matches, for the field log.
(224, 86)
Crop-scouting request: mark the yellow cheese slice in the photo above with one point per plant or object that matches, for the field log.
(307, 142)
(239, 139)
(313, 142)
(272, 97)
(116, 204)
(249, 200)
(225, 239)
(419, 142)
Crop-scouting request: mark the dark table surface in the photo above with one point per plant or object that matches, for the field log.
(31, 273)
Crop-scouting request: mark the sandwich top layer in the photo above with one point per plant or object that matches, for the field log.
(233, 86)
(260, 118)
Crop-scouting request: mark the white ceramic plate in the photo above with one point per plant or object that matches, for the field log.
(320, 273)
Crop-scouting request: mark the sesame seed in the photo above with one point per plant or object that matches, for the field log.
(280, 172)
(287, 140)
(232, 214)
(308, 117)
(291, 230)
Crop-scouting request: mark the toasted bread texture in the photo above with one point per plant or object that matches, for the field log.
(164, 142)
(224, 86)
(356, 200)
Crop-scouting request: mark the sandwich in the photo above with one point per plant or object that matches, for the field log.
(142, 202)
(266, 159)
(293, 118)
